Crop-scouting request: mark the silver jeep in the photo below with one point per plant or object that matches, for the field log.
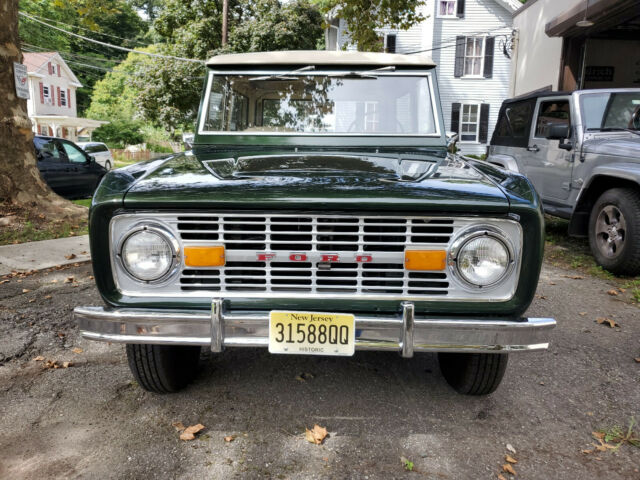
(581, 151)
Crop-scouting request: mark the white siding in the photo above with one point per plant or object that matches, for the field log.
(480, 17)
(437, 37)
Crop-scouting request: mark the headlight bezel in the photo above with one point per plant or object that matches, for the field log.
(165, 234)
(472, 233)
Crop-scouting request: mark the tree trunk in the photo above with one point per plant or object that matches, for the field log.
(20, 181)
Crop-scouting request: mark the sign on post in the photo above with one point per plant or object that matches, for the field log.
(22, 83)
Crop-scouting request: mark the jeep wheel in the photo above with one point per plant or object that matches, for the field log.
(614, 231)
(107, 165)
(163, 368)
(473, 373)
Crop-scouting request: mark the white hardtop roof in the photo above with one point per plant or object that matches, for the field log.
(321, 57)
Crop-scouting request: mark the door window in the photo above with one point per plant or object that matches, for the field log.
(74, 154)
(552, 113)
(48, 150)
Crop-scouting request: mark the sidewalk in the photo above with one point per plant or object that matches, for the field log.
(24, 257)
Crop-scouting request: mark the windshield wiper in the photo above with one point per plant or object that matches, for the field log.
(613, 129)
(365, 74)
(283, 76)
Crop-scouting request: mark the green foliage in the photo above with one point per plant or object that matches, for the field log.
(154, 147)
(119, 133)
(114, 96)
(363, 17)
(272, 25)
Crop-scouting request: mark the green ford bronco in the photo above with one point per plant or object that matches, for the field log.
(318, 213)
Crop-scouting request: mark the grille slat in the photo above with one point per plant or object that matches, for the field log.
(380, 240)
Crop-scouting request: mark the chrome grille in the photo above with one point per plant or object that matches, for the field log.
(383, 238)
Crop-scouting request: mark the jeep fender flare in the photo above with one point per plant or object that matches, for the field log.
(506, 162)
(602, 178)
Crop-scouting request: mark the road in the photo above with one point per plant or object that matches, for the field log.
(92, 420)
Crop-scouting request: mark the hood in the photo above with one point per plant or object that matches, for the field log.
(617, 145)
(298, 181)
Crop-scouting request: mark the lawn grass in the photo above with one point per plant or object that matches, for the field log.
(85, 202)
(28, 226)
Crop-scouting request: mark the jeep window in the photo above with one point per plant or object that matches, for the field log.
(361, 103)
(611, 110)
(514, 124)
(552, 113)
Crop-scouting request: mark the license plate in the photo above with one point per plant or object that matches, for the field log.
(312, 333)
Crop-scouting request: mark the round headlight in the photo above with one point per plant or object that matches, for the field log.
(483, 261)
(147, 255)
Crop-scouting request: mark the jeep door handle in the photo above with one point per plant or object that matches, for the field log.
(533, 148)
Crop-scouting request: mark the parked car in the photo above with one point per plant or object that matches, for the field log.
(67, 169)
(317, 214)
(100, 152)
(581, 151)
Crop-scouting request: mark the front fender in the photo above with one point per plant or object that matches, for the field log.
(503, 161)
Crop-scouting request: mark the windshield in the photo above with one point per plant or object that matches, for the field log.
(283, 103)
(611, 110)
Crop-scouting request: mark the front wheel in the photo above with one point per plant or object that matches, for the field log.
(163, 368)
(473, 373)
(614, 231)
(107, 165)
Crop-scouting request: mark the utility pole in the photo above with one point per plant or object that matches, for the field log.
(225, 14)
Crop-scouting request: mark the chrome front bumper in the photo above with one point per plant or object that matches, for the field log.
(403, 332)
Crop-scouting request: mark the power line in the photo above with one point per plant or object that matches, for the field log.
(104, 44)
(75, 55)
(444, 43)
(89, 30)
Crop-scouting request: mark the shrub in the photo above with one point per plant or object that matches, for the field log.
(119, 133)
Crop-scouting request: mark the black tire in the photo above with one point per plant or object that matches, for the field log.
(618, 248)
(163, 368)
(107, 165)
(473, 373)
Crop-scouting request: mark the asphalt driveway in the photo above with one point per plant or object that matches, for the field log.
(92, 420)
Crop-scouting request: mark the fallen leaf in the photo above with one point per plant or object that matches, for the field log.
(541, 383)
(39, 358)
(61, 334)
(612, 292)
(583, 313)
(69, 280)
(573, 277)
(501, 477)
(511, 449)
(32, 300)
(508, 468)
(598, 435)
(178, 426)
(4, 281)
(229, 438)
(84, 252)
(316, 435)
(67, 364)
(608, 321)
(190, 432)
(586, 452)
(552, 283)
(541, 297)
(77, 350)
(25, 290)
(510, 459)
(71, 256)
(90, 277)
(637, 359)
(622, 290)
(47, 297)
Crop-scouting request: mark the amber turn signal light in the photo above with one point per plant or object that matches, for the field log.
(204, 256)
(425, 259)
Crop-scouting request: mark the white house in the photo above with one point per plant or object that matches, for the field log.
(52, 97)
(470, 41)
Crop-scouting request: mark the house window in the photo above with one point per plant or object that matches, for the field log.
(469, 122)
(63, 98)
(391, 43)
(46, 92)
(447, 8)
(474, 56)
(371, 117)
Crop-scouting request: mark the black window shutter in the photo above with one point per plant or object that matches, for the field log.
(483, 132)
(391, 44)
(458, 70)
(488, 56)
(455, 117)
(460, 12)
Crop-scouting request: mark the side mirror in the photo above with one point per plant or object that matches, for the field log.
(557, 131)
(91, 159)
